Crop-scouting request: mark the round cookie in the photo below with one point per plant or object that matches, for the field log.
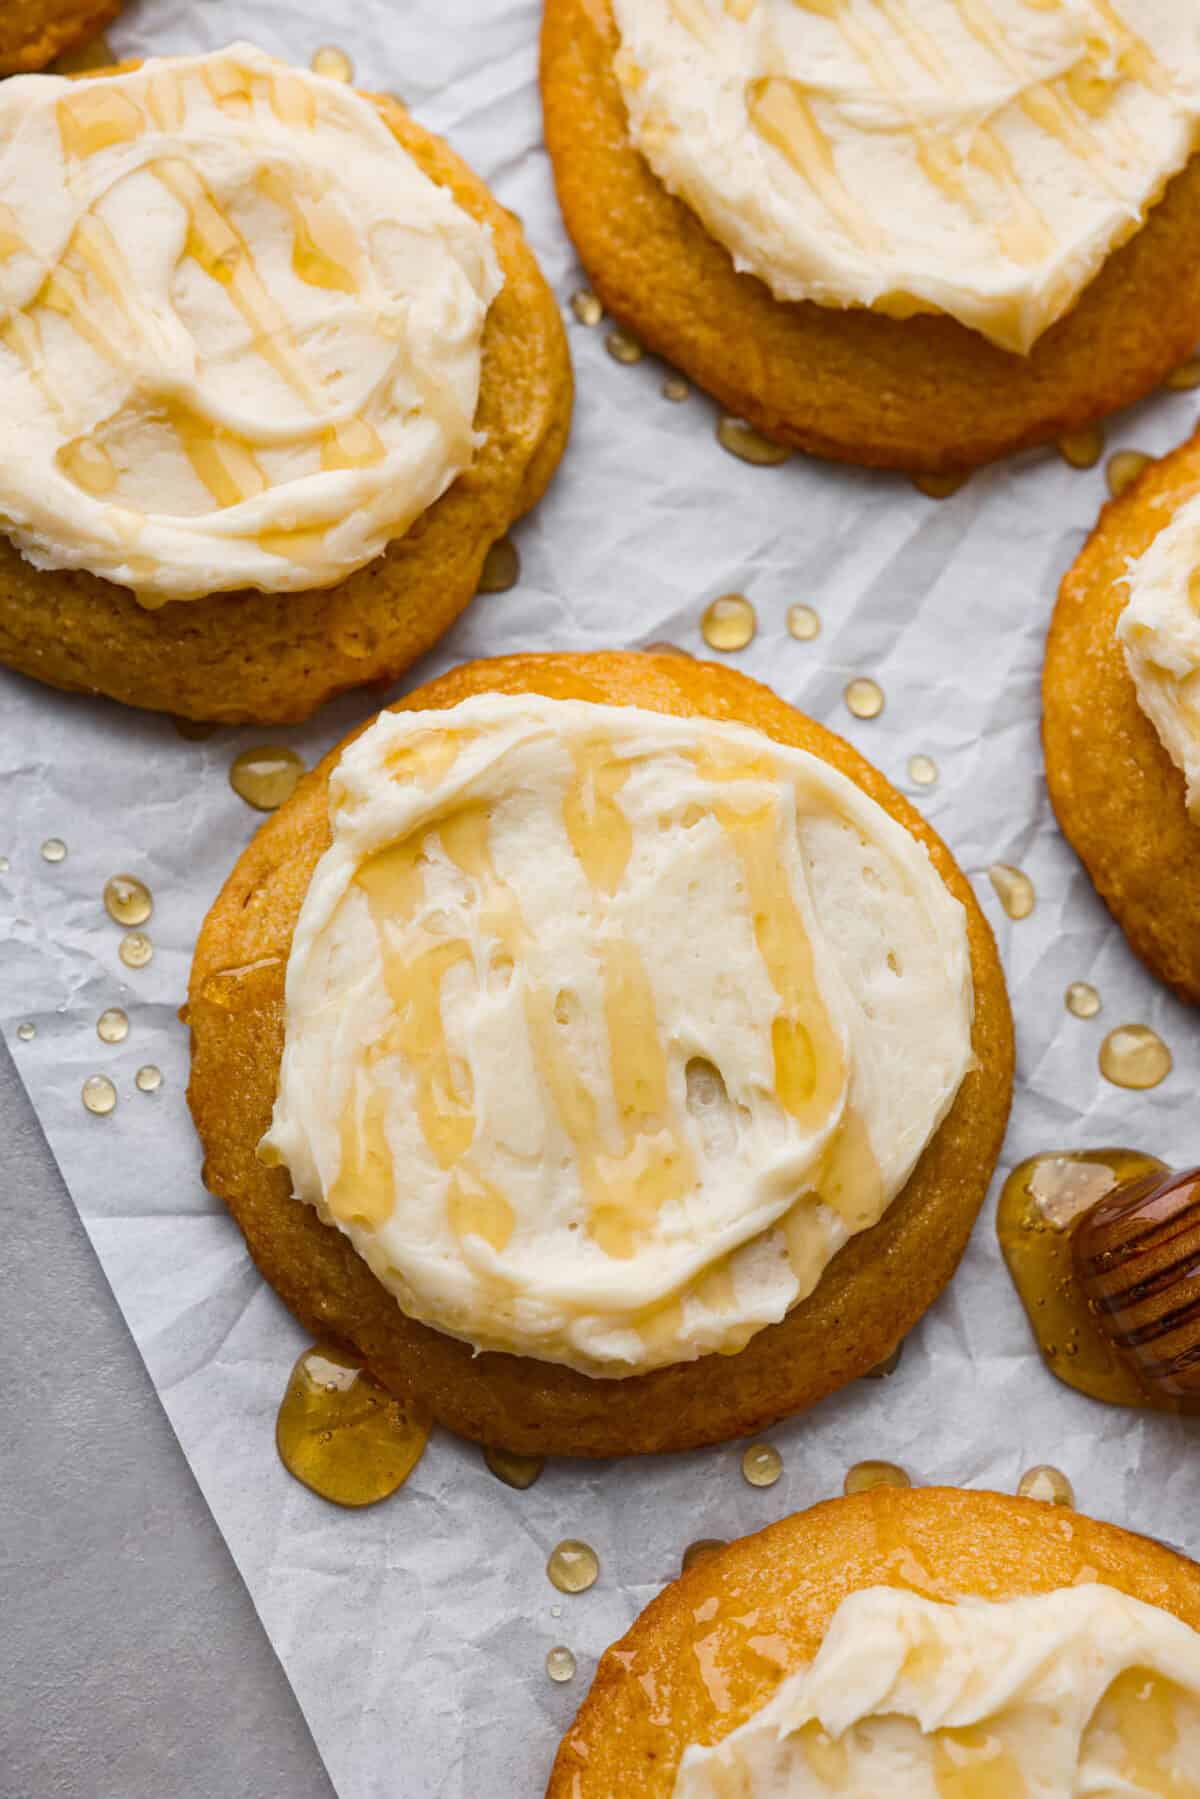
(1119, 798)
(923, 394)
(873, 1292)
(651, 1698)
(33, 32)
(274, 658)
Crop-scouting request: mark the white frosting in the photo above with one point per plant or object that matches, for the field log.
(980, 158)
(540, 931)
(239, 329)
(1077, 1694)
(1159, 629)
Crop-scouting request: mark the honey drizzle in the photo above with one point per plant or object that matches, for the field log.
(1040, 1202)
(655, 1167)
(654, 1164)
(1024, 236)
(1141, 1706)
(969, 1763)
(783, 116)
(97, 117)
(324, 252)
(219, 248)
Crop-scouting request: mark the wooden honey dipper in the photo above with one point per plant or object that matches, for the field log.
(1137, 1259)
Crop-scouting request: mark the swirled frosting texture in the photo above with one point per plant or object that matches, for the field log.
(1073, 1693)
(1159, 630)
(604, 1030)
(239, 329)
(979, 158)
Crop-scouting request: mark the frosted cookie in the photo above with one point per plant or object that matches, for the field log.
(932, 1644)
(1121, 715)
(278, 371)
(914, 236)
(34, 32)
(603, 1051)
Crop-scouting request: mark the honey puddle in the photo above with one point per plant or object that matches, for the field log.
(1041, 1201)
(342, 1434)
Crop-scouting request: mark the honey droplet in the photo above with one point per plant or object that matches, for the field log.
(1042, 1201)
(112, 1026)
(1135, 1056)
(27, 1032)
(864, 1477)
(1083, 448)
(923, 770)
(1048, 1484)
(501, 567)
(1014, 889)
(1123, 469)
(1082, 999)
(342, 1434)
(54, 850)
(1186, 376)
(332, 63)
(943, 486)
(136, 949)
(194, 730)
(864, 697)
(660, 647)
(573, 1566)
(728, 623)
(560, 1664)
(696, 1552)
(99, 1095)
(762, 1465)
(127, 900)
(587, 308)
(518, 1471)
(265, 777)
(676, 389)
(882, 1370)
(622, 347)
(748, 445)
(148, 1079)
(803, 623)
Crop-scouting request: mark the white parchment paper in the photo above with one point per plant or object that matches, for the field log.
(415, 1633)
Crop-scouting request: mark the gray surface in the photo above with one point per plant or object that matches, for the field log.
(132, 1664)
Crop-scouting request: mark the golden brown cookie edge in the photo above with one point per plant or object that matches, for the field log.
(872, 1294)
(1118, 797)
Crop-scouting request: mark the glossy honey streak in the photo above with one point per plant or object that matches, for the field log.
(626, 1184)
(324, 254)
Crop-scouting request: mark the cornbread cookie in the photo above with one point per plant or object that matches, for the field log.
(34, 32)
(1120, 799)
(925, 392)
(713, 1649)
(273, 656)
(870, 1294)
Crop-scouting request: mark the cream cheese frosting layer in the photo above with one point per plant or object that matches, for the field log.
(1159, 630)
(1082, 1692)
(979, 158)
(605, 1029)
(240, 330)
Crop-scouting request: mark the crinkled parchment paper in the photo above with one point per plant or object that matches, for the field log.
(415, 1633)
